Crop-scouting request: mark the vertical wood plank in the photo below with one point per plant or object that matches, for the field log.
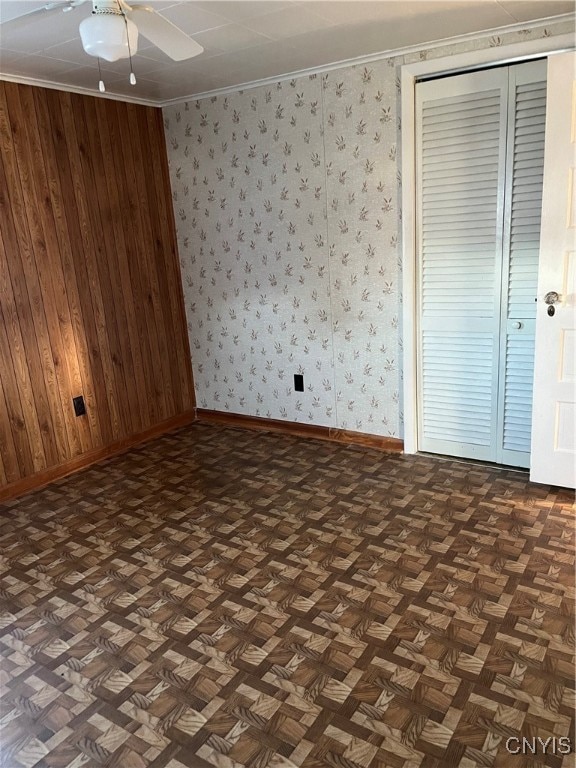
(93, 291)
(157, 255)
(19, 311)
(133, 159)
(3, 435)
(9, 470)
(163, 242)
(16, 447)
(162, 202)
(74, 265)
(53, 293)
(64, 277)
(101, 265)
(103, 133)
(122, 178)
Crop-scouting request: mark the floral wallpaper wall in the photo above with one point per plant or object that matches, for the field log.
(248, 172)
(287, 210)
(360, 132)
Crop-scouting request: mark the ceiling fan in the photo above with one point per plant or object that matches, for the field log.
(111, 31)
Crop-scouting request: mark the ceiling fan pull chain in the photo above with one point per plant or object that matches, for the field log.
(132, 75)
(101, 86)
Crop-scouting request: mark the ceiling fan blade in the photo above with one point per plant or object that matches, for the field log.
(163, 34)
(11, 13)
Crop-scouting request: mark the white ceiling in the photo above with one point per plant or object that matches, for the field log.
(244, 40)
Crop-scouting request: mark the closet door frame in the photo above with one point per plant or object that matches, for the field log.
(410, 73)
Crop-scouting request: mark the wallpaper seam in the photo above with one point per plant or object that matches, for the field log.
(330, 297)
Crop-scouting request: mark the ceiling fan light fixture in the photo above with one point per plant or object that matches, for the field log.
(109, 36)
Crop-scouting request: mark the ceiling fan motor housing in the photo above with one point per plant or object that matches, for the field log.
(108, 34)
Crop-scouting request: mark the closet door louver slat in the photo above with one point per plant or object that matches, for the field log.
(523, 239)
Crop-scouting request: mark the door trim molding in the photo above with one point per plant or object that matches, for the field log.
(409, 73)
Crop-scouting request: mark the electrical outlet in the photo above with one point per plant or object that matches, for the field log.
(298, 382)
(79, 405)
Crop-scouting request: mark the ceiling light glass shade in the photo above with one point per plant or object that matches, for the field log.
(107, 36)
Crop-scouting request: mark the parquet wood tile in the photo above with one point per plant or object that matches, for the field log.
(246, 600)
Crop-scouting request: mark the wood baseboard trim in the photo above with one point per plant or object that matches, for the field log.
(392, 444)
(39, 480)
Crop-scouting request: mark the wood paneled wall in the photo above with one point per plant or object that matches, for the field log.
(90, 295)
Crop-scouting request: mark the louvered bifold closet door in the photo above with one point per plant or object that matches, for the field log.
(461, 144)
(523, 203)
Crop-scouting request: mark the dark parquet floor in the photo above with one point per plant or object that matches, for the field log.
(227, 598)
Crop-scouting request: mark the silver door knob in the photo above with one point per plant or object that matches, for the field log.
(551, 297)
(517, 325)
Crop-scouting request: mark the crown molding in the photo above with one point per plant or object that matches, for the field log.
(76, 89)
(342, 64)
(369, 58)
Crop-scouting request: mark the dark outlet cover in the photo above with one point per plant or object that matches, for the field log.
(79, 406)
(298, 382)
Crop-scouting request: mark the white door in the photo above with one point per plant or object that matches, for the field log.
(520, 256)
(480, 157)
(461, 165)
(554, 412)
